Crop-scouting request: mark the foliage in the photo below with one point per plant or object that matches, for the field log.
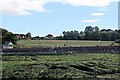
(91, 33)
(28, 35)
(117, 41)
(8, 36)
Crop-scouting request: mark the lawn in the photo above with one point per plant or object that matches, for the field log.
(54, 43)
(73, 66)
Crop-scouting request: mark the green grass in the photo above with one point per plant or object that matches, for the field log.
(54, 43)
(72, 57)
(94, 65)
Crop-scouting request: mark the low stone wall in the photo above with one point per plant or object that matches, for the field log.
(63, 50)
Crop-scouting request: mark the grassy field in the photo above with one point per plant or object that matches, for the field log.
(54, 43)
(85, 66)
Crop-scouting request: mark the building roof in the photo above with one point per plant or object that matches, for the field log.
(8, 44)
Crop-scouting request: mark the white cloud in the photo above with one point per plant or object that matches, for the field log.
(97, 14)
(92, 3)
(90, 20)
(23, 7)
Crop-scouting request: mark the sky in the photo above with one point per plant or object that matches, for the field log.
(42, 17)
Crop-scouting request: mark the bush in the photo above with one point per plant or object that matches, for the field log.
(117, 41)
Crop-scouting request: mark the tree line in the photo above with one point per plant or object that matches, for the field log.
(7, 36)
(91, 33)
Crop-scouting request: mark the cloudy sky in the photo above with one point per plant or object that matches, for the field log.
(41, 17)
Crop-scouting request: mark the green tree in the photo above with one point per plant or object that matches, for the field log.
(82, 34)
(8, 36)
(88, 32)
(28, 35)
(95, 34)
(71, 35)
